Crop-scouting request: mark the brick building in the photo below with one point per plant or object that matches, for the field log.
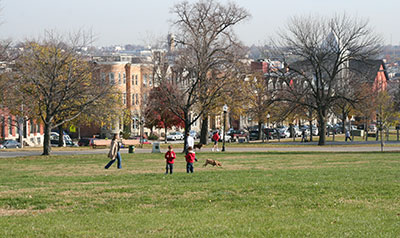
(11, 127)
(134, 81)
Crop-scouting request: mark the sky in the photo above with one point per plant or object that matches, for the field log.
(120, 22)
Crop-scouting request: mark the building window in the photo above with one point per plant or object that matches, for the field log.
(136, 79)
(124, 78)
(150, 80)
(137, 99)
(31, 126)
(9, 126)
(144, 80)
(119, 78)
(133, 79)
(133, 99)
(111, 78)
(103, 77)
(124, 98)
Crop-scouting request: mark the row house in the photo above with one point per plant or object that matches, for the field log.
(134, 81)
(30, 131)
(11, 127)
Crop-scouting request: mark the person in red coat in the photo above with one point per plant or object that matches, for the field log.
(215, 138)
(190, 158)
(170, 156)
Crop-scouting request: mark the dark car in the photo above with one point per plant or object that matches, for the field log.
(7, 144)
(85, 142)
(271, 132)
(253, 135)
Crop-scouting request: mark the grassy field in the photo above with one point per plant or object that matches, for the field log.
(253, 195)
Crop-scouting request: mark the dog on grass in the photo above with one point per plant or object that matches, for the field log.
(198, 146)
(213, 163)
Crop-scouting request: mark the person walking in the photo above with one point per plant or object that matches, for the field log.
(303, 136)
(114, 154)
(215, 138)
(347, 135)
(170, 156)
(189, 142)
(190, 158)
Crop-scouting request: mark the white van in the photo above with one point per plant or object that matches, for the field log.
(54, 139)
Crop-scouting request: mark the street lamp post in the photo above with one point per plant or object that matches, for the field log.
(141, 132)
(225, 109)
(268, 131)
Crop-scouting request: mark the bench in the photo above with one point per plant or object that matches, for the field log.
(130, 142)
(106, 143)
(98, 142)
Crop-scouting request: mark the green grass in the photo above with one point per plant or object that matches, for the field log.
(253, 195)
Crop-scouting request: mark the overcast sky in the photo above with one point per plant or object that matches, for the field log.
(135, 21)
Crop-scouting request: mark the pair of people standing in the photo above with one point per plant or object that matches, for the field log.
(170, 156)
(114, 154)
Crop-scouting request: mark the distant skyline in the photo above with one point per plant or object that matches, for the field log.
(121, 22)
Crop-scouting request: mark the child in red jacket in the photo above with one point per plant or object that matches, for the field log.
(170, 157)
(190, 158)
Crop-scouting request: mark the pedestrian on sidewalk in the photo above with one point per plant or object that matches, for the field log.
(215, 138)
(347, 135)
(303, 136)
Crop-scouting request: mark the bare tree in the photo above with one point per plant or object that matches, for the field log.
(57, 81)
(321, 49)
(206, 52)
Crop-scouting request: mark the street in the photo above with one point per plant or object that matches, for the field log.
(369, 146)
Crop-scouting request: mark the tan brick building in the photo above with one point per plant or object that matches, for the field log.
(134, 81)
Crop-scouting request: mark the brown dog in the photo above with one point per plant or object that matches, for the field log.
(198, 146)
(213, 163)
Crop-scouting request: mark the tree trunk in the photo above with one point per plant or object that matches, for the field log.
(204, 131)
(46, 141)
(311, 127)
(165, 134)
(60, 136)
(187, 129)
(321, 126)
(259, 130)
(343, 121)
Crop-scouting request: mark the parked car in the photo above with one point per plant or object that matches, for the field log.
(238, 134)
(7, 144)
(85, 141)
(297, 131)
(253, 135)
(144, 140)
(227, 138)
(284, 132)
(271, 132)
(338, 128)
(175, 136)
(194, 134)
(67, 140)
(314, 130)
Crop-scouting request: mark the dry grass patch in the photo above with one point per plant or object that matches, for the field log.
(20, 212)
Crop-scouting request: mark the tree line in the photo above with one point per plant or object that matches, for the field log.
(53, 82)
